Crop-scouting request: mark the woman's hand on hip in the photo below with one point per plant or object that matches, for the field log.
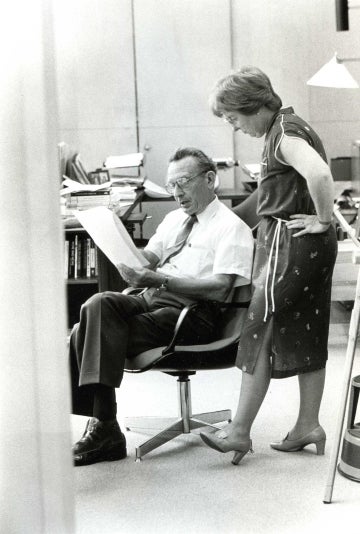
(307, 224)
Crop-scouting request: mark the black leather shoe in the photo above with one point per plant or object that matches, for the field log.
(101, 441)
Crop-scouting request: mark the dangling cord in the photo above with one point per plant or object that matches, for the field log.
(275, 264)
(276, 239)
(268, 274)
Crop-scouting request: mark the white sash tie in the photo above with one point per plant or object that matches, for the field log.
(275, 243)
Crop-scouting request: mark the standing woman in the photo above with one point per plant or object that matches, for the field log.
(286, 331)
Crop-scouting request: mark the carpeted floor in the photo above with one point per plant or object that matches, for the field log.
(184, 487)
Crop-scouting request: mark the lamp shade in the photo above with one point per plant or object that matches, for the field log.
(333, 74)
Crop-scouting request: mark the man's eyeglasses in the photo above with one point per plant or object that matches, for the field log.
(183, 182)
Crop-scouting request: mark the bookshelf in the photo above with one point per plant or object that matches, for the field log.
(81, 270)
(98, 275)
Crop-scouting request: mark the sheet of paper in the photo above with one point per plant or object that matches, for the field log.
(155, 191)
(127, 160)
(111, 236)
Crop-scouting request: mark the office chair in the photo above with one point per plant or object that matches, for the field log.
(182, 362)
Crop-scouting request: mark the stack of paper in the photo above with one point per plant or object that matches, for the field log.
(126, 168)
(125, 161)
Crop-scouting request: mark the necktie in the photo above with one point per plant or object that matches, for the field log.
(181, 238)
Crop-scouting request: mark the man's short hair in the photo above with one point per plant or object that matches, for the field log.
(205, 163)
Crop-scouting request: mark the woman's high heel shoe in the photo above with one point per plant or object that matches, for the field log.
(316, 436)
(222, 444)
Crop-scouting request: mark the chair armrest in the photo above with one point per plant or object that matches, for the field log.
(191, 307)
(178, 326)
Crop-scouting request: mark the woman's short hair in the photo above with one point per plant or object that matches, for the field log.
(244, 91)
(205, 163)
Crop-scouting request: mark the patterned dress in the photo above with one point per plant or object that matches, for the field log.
(291, 276)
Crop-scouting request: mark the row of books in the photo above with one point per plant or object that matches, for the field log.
(80, 258)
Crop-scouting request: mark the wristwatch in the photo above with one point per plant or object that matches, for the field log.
(164, 284)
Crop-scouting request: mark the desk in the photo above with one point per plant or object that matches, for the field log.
(160, 206)
(345, 272)
(224, 193)
(124, 214)
(235, 195)
(343, 290)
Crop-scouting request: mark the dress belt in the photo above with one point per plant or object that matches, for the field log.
(275, 243)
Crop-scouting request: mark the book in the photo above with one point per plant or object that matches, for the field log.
(71, 257)
(76, 248)
(99, 192)
(78, 171)
(111, 236)
(66, 258)
(76, 174)
(92, 258)
(72, 186)
(81, 168)
(63, 156)
(87, 259)
(88, 199)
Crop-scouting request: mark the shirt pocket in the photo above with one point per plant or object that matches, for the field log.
(197, 260)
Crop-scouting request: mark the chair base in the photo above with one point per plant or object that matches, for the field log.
(184, 424)
(175, 427)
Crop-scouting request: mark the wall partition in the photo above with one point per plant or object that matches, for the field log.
(182, 48)
(36, 483)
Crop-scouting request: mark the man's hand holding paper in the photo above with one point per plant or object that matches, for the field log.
(140, 277)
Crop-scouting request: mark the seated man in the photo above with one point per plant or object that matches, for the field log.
(198, 253)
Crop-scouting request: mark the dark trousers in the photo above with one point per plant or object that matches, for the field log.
(114, 327)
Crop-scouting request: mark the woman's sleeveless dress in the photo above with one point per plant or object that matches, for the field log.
(291, 291)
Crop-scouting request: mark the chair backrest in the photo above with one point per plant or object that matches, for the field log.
(232, 318)
(218, 354)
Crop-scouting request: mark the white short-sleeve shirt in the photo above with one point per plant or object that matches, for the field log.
(219, 243)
